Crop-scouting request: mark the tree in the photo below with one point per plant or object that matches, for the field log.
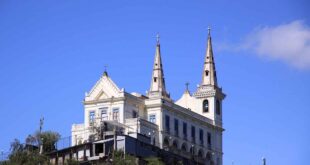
(120, 158)
(72, 162)
(28, 153)
(32, 140)
(16, 146)
(21, 154)
(48, 139)
(154, 161)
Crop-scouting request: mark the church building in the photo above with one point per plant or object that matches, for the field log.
(190, 126)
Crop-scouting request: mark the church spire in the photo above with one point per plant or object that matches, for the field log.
(158, 86)
(209, 73)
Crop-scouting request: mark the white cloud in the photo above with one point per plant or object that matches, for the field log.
(288, 42)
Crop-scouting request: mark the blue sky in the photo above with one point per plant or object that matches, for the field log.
(52, 52)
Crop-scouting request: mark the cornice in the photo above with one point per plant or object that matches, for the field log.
(209, 91)
(112, 99)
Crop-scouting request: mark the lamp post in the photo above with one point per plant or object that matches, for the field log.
(150, 135)
(264, 161)
(154, 138)
(213, 157)
(41, 146)
(193, 152)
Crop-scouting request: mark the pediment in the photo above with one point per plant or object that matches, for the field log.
(186, 100)
(104, 88)
(101, 95)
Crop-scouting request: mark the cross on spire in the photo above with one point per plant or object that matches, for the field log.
(187, 84)
(105, 73)
(157, 38)
(209, 30)
(105, 68)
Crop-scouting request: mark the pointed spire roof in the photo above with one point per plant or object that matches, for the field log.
(209, 72)
(158, 86)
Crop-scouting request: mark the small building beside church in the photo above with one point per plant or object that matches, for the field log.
(189, 127)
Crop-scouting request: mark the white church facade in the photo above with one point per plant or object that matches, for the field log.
(191, 125)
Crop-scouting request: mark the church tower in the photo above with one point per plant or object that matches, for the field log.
(158, 87)
(209, 95)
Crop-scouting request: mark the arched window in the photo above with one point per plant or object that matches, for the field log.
(175, 144)
(166, 142)
(205, 106)
(200, 153)
(218, 107)
(192, 150)
(209, 156)
(184, 147)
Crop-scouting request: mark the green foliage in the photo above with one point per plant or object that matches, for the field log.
(154, 161)
(16, 146)
(20, 154)
(28, 154)
(49, 139)
(123, 159)
(72, 162)
(32, 140)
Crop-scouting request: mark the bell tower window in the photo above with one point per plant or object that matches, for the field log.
(207, 72)
(218, 107)
(205, 106)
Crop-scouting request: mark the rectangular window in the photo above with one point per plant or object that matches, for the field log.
(218, 107)
(209, 138)
(185, 130)
(152, 118)
(201, 136)
(115, 115)
(193, 133)
(176, 127)
(91, 117)
(167, 123)
(104, 113)
(134, 114)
